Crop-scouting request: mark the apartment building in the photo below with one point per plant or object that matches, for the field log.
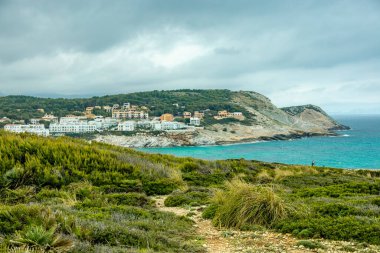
(167, 117)
(126, 126)
(38, 129)
(72, 127)
(199, 115)
(186, 115)
(195, 121)
(129, 114)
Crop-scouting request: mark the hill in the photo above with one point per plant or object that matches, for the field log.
(69, 195)
(262, 119)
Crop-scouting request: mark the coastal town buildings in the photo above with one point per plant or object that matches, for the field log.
(107, 108)
(129, 114)
(225, 114)
(199, 115)
(72, 119)
(102, 123)
(167, 117)
(38, 129)
(5, 120)
(126, 126)
(168, 125)
(128, 111)
(50, 118)
(72, 127)
(186, 115)
(195, 121)
(34, 121)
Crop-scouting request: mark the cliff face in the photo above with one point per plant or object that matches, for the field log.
(307, 118)
(313, 115)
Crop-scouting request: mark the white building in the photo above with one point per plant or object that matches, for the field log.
(126, 106)
(38, 129)
(104, 123)
(34, 121)
(129, 114)
(126, 126)
(172, 125)
(195, 121)
(107, 108)
(72, 119)
(50, 117)
(72, 127)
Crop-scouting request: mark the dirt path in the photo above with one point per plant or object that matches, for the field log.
(214, 241)
(260, 241)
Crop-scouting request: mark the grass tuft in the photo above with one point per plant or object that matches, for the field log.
(242, 204)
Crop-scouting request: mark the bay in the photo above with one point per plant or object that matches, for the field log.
(355, 148)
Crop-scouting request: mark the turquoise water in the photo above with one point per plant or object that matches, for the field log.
(355, 148)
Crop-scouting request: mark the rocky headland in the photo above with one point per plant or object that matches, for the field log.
(264, 122)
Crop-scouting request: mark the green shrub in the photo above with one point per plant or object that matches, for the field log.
(336, 209)
(189, 167)
(199, 179)
(123, 186)
(191, 197)
(15, 177)
(22, 194)
(39, 237)
(336, 228)
(13, 218)
(209, 211)
(338, 190)
(159, 187)
(243, 204)
(129, 199)
(310, 244)
(376, 201)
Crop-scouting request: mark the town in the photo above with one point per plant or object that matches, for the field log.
(124, 118)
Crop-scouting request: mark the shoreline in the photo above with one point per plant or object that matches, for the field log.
(179, 140)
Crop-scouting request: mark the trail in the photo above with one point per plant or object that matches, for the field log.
(214, 241)
(259, 241)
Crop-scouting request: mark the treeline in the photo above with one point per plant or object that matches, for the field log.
(158, 102)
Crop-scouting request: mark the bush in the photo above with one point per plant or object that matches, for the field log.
(310, 244)
(128, 199)
(336, 209)
(39, 237)
(209, 211)
(335, 228)
(15, 177)
(159, 187)
(242, 204)
(191, 197)
(19, 195)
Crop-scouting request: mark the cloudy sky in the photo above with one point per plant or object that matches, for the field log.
(295, 51)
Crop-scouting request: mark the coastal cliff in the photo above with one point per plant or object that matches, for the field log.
(263, 121)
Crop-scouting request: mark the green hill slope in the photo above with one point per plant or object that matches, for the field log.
(69, 195)
(257, 109)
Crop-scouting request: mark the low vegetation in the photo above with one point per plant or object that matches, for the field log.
(69, 195)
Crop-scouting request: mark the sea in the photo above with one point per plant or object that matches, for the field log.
(357, 148)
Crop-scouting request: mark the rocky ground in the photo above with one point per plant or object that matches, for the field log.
(213, 135)
(233, 241)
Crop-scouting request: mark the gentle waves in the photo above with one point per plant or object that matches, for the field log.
(355, 148)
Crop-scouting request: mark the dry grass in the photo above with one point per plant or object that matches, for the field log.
(242, 204)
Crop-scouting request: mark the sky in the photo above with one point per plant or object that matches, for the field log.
(293, 51)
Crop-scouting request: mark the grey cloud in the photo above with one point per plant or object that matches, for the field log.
(274, 47)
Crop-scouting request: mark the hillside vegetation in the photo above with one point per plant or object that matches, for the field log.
(257, 109)
(68, 195)
(158, 102)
